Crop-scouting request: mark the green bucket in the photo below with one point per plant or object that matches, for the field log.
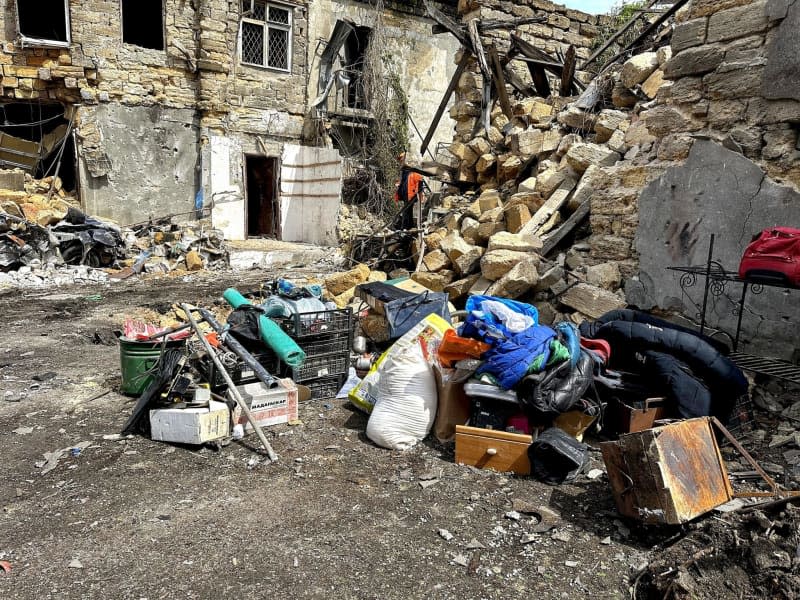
(136, 360)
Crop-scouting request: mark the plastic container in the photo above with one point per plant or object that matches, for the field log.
(325, 388)
(311, 324)
(137, 359)
(321, 365)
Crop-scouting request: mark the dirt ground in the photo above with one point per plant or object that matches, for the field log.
(336, 516)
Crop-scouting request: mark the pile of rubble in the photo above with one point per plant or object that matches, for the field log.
(45, 239)
(521, 235)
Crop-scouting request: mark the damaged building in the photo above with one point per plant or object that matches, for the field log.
(167, 107)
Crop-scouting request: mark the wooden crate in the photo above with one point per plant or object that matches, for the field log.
(489, 449)
(669, 474)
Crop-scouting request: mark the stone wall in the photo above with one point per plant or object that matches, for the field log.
(725, 128)
(198, 70)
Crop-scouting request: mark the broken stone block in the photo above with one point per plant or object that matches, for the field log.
(514, 241)
(527, 185)
(481, 286)
(485, 163)
(454, 246)
(375, 276)
(194, 262)
(433, 281)
(533, 108)
(463, 111)
(591, 300)
(495, 136)
(581, 156)
(622, 97)
(694, 61)
(665, 119)
(479, 146)
(487, 230)
(664, 53)
(566, 143)
(549, 278)
(638, 68)
(343, 299)
(488, 200)
(436, 260)
(547, 314)
(737, 22)
(608, 122)
(458, 289)
(604, 275)
(509, 169)
(548, 181)
(687, 35)
(469, 229)
(617, 142)
(638, 134)
(493, 215)
(577, 119)
(433, 241)
(516, 217)
(468, 263)
(521, 278)
(452, 222)
(497, 263)
(341, 282)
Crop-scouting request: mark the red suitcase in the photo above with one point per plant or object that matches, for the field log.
(773, 256)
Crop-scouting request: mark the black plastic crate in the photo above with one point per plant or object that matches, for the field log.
(322, 365)
(325, 388)
(323, 323)
(240, 372)
(327, 344)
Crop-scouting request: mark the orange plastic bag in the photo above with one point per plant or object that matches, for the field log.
(454, 348)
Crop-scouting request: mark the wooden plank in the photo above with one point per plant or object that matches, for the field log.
(552, 240)
(477, 48)
(516, 82)
(462, 65)
(556, 200)
(447, 23)
(500, 82)
(495, 434)
(540, 81)
(568, 72)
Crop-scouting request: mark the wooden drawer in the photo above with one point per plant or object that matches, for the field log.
(488, 449)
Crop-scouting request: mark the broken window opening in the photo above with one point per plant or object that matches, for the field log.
(355, 49)
(266, 35)
(24, 125)
(43, 23)
(143, 23)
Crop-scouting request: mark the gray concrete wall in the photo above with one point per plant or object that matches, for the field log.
(153, 153)
(716, 191)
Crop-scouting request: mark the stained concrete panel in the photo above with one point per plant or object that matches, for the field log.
(782, 74)
(716, 191)
(154, 155)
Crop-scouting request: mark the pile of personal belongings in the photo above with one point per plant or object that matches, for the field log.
(501, 370)
(289, 346)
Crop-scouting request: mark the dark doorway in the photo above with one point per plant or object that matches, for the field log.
(263, 205)
(143, 23)
(43, 20)
(45, 124)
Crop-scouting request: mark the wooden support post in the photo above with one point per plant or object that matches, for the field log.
(568, 73)
(462, 65)
(500, 82)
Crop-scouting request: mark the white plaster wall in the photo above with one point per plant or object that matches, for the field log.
(426, 61)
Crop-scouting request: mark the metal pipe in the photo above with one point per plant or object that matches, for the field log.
(231, 386)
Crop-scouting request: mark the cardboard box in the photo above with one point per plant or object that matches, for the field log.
(268, 406)
(190, 425)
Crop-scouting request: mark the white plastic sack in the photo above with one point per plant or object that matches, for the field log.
(406, 401)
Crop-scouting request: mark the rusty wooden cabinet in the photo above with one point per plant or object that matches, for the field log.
(489, 449)
(669, 474)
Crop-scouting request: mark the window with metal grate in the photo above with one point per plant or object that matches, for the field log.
(266, 35)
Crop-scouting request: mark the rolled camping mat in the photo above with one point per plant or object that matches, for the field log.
(272, 335)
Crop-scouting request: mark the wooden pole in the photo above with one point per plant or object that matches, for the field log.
(231, 386)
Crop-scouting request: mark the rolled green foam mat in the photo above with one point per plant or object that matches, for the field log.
(272, 335)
